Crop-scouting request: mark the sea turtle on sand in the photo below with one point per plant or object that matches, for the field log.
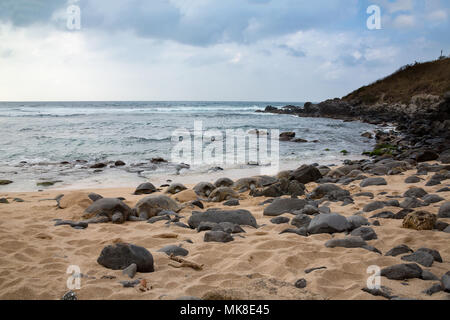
(222, 194)
(150, 206)
(145, 188)
(107, 209)
(224, 182)
(246, 184)
(204, 189)
(174, 188)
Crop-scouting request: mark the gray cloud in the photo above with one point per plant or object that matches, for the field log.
(26, 12)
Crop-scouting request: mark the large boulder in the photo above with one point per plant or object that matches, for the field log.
(328, 223)
(239, 217)
(444, 211)
(280, 206)
(121, 255)
(402, 271)
(152, 205)
(419, 220)
(306, 174)
(421, 257)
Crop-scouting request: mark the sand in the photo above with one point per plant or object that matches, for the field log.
(35, 255)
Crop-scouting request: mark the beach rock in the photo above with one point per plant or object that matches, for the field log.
(75, 225)
(435, 288)
(365, 194)
(206, 226)
(5, 182)
(4, 200)
(198, 204)
(121, 255)
(150, 206)
(446, 189)
(446, 282)
(239, 217)
(328, 223)
(130, 270)
(217, 236)
(306, 174)
(157, 218)
(349, 242)
(411, 203)
(373, 206)
(280, 220)
(94, 196)
(402, 214)
(426, 155)
(287, 136)
(402, 271)
(271, 191)
(383, 215)
(366, 233)
(446, 230)
(420, 257)
(98, 166)
(412, 179)
(119, 163)
(145, 188)
(298, 231)
(428, 276)
(107, 208)
(383, 291)
(223, 182)
(444, 211)
(232, 203)
(398, 250)
(222, 193)
(158, 160)
(441, 225)
(300, 284)
(357, 221)
(415, 193)
(175, 188)
(436, 255)
(130, 283)
(301, 220)
(175, 250)
(228, 227)
(204, 189)
(373, 182)
(280, 206)
(419, 220)
(432, 198)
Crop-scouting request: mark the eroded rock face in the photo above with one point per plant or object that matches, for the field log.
(150, 206)
(420, 220)
(122, 255)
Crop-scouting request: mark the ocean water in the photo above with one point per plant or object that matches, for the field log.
(42, 141)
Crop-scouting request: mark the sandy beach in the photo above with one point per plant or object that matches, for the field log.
(259, 264)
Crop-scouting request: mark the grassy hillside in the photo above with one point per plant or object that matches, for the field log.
(429, 78)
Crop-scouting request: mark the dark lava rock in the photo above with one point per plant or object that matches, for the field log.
(402, 214)
(415, 193)
(98, 166)
(435, 288)
(432, 198)
(384, 215)
(158, 218)
(373, 182)
(94, 196)
(198, 203)
(314, 269)
(366, 233)
(130, 283)
(130, 270)
(306, 174)
(374, 206)
(383, 291)
(398, 250)
(119, 163)
(446, 230)
(412, 179)
(436, 255)
(5, 182)
(446, 282)
(301, 220)
(232, 203)
(300, 284)
(75, 225)
(280, 206)
(121, 255)
(240, 217)
(331, 191)
(411, 203)
(446, 189)
(444, 211)
(420, 257)
(428, 276)
(364, 194)
(376, 223)
(349, 242)
(217, 236)
(328, 223)
(299, 231)
(4, 200)
(426, 155)
(402, 271)
(279, 220)
(175, 250)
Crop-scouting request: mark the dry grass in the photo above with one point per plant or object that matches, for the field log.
(420, 78)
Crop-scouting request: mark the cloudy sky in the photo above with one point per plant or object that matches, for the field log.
(257, 50)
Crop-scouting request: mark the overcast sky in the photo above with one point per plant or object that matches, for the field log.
(257, 50)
